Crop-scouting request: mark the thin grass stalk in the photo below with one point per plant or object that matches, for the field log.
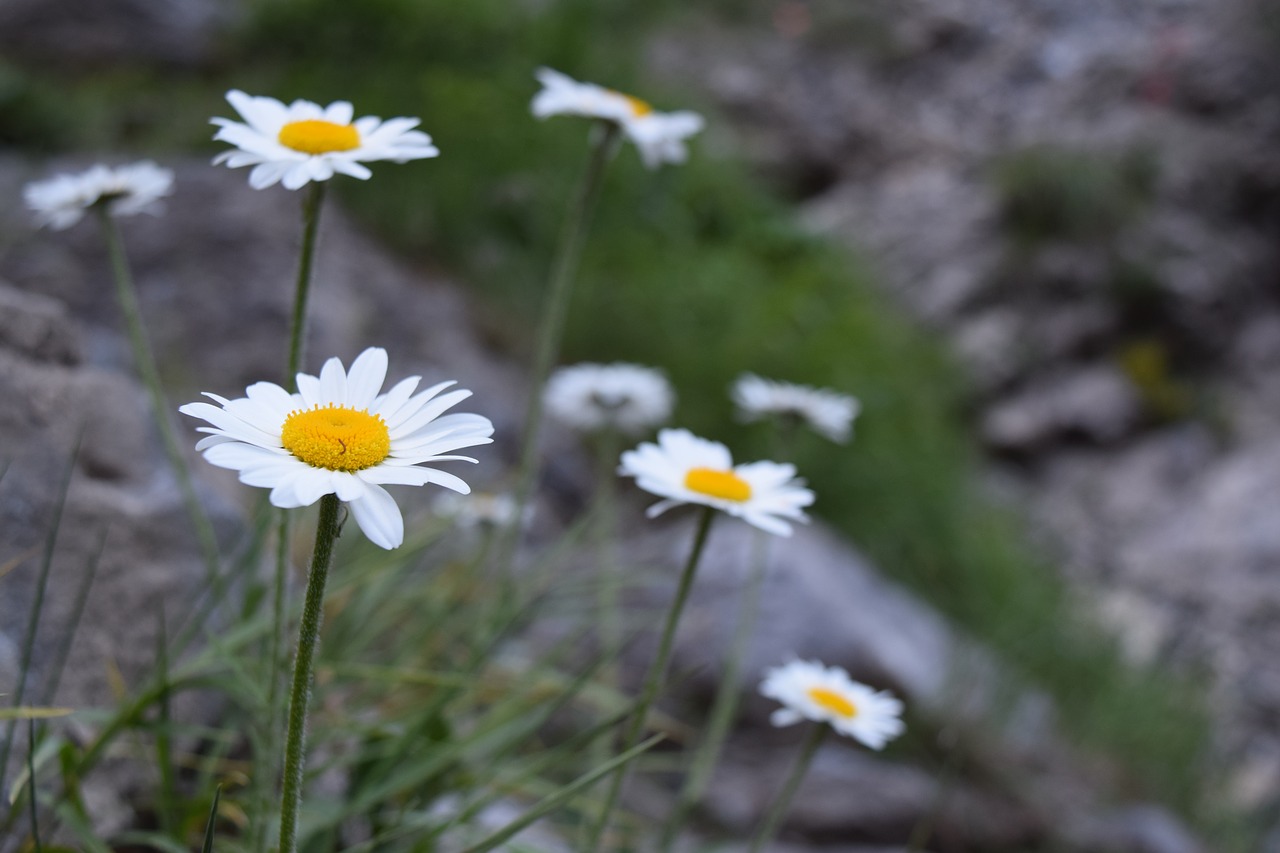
(724, 709)
(946, 784)
(603, 529)
(144, 361)
(300, 692)
(68, 634)
(653, 680)
(551, 328)
(37, 604)
(769, 827)
(164, 742)
(553, 801)
(31, 785)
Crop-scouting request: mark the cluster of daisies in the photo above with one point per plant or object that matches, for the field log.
(340, 433)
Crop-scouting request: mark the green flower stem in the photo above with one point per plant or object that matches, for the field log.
(724, 709)
(145, 362)
(311, 205)
(653, 680)
(300, 694)
(563, 270)
(783, 804)
(297, 327)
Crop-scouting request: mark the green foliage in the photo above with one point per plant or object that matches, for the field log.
(1053, 193)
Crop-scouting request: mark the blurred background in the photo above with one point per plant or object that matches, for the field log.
(1038, 239)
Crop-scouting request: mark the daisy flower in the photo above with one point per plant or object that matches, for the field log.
(658, 136)
(61, 201)
(686, 469)
(827, 412)
(340, 435)
(826, 694)
(626, 397)
(305, 142)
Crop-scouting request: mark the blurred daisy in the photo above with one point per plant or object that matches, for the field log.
(61, 201)
(826, 412)
(487, 509)
(659, 137)
(305, 142)
(826, 694)
(626, 397)
(686, 469)
(340, 435)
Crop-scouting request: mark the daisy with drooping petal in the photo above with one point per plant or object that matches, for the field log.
(304, 141)
(826, 694)
(659, 137)
(827, 412)
(341, 435)
(61, 201)
(686, 469)
(628, 398)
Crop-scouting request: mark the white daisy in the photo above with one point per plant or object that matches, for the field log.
(340, 435)
(827, 412)
(305, 142)
(686, 469)
(826, 694)
(61, 201)
(658, 136)
(483, 509)
(626, 397)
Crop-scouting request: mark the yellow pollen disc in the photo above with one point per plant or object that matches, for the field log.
(315, 136)
(336, 437)
(718, 484)
(833, 702)
(639, 108)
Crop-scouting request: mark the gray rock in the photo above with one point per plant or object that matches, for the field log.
(1096, 404)
(69, 33)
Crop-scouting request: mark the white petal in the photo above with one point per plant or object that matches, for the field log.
(365, 378)
(379, 517)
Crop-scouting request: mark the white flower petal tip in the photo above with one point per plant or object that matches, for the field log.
(684, 469)
(828, 413)
(333, 438)
(61, 201)
(658, 136)
(295, 144)
(826, 694)
(627, 398)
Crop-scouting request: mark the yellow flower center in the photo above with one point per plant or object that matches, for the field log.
(336, 437)
(639, 108)
(316, 136)
(832, 701)
(718, 484)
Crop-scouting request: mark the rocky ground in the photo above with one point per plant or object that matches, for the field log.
(1121, 351)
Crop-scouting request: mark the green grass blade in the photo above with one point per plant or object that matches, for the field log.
(554, 801)
(29, 640)
(68, 634)
(207, 847)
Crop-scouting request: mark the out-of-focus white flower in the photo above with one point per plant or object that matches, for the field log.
(629, 398)
(658, 136)
(61, 201)
(340, 435)
(827, 412)
(304, 142)
(474, 510)
(826, 694)
(686, 469)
